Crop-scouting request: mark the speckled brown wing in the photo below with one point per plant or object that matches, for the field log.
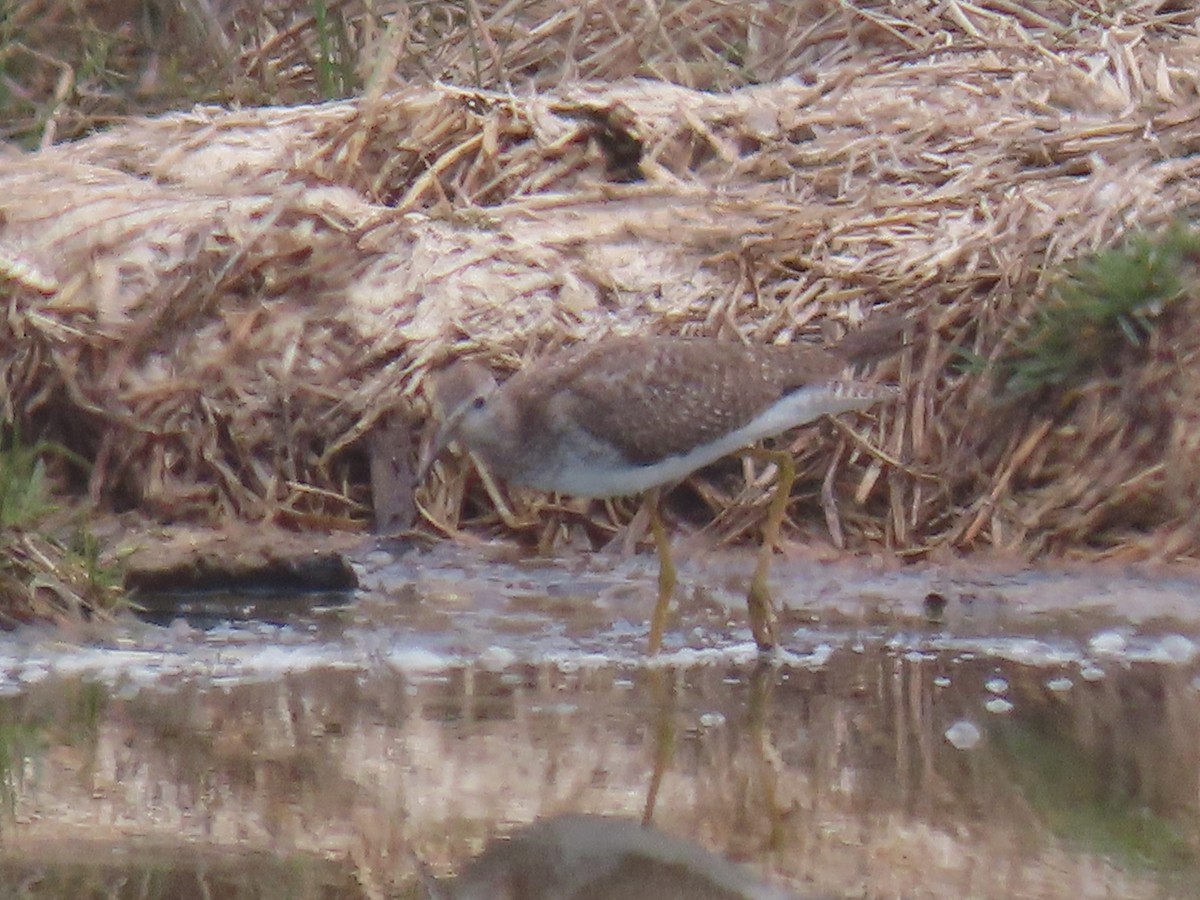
(793, 366)
(658, 397)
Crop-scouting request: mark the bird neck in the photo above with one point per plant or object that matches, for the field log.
(494, 434)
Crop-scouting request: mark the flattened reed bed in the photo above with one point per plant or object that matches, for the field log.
(218, 306)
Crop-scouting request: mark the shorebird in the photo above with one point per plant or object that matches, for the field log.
(627, 415)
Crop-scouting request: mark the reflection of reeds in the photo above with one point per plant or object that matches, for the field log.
(1112, 768)
(68, 720)
(832, 779)
(17, 743)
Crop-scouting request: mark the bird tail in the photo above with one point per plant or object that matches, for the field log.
(878, 340)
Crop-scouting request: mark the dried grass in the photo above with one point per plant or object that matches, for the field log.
(217, 306)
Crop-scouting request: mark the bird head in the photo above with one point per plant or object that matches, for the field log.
(460, 396)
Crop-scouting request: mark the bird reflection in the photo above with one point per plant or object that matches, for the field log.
(585, 857)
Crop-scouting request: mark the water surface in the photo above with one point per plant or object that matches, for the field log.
(1024, 736)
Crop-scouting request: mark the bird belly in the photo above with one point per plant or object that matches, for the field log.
(603, 481)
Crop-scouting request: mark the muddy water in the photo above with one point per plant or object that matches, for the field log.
(923, 734)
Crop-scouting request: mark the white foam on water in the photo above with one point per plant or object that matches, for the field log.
(996, 685)
(420, 661)
(1108, 643)
(143, 655)
(1176, 648)
(964, 735)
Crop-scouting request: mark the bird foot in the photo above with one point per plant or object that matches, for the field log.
(761, 609)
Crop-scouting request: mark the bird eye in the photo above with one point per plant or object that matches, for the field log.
(478, 402)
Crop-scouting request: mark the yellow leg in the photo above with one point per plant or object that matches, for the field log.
(666, 575)
(758, 599)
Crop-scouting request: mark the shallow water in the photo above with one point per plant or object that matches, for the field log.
(1026, 735)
